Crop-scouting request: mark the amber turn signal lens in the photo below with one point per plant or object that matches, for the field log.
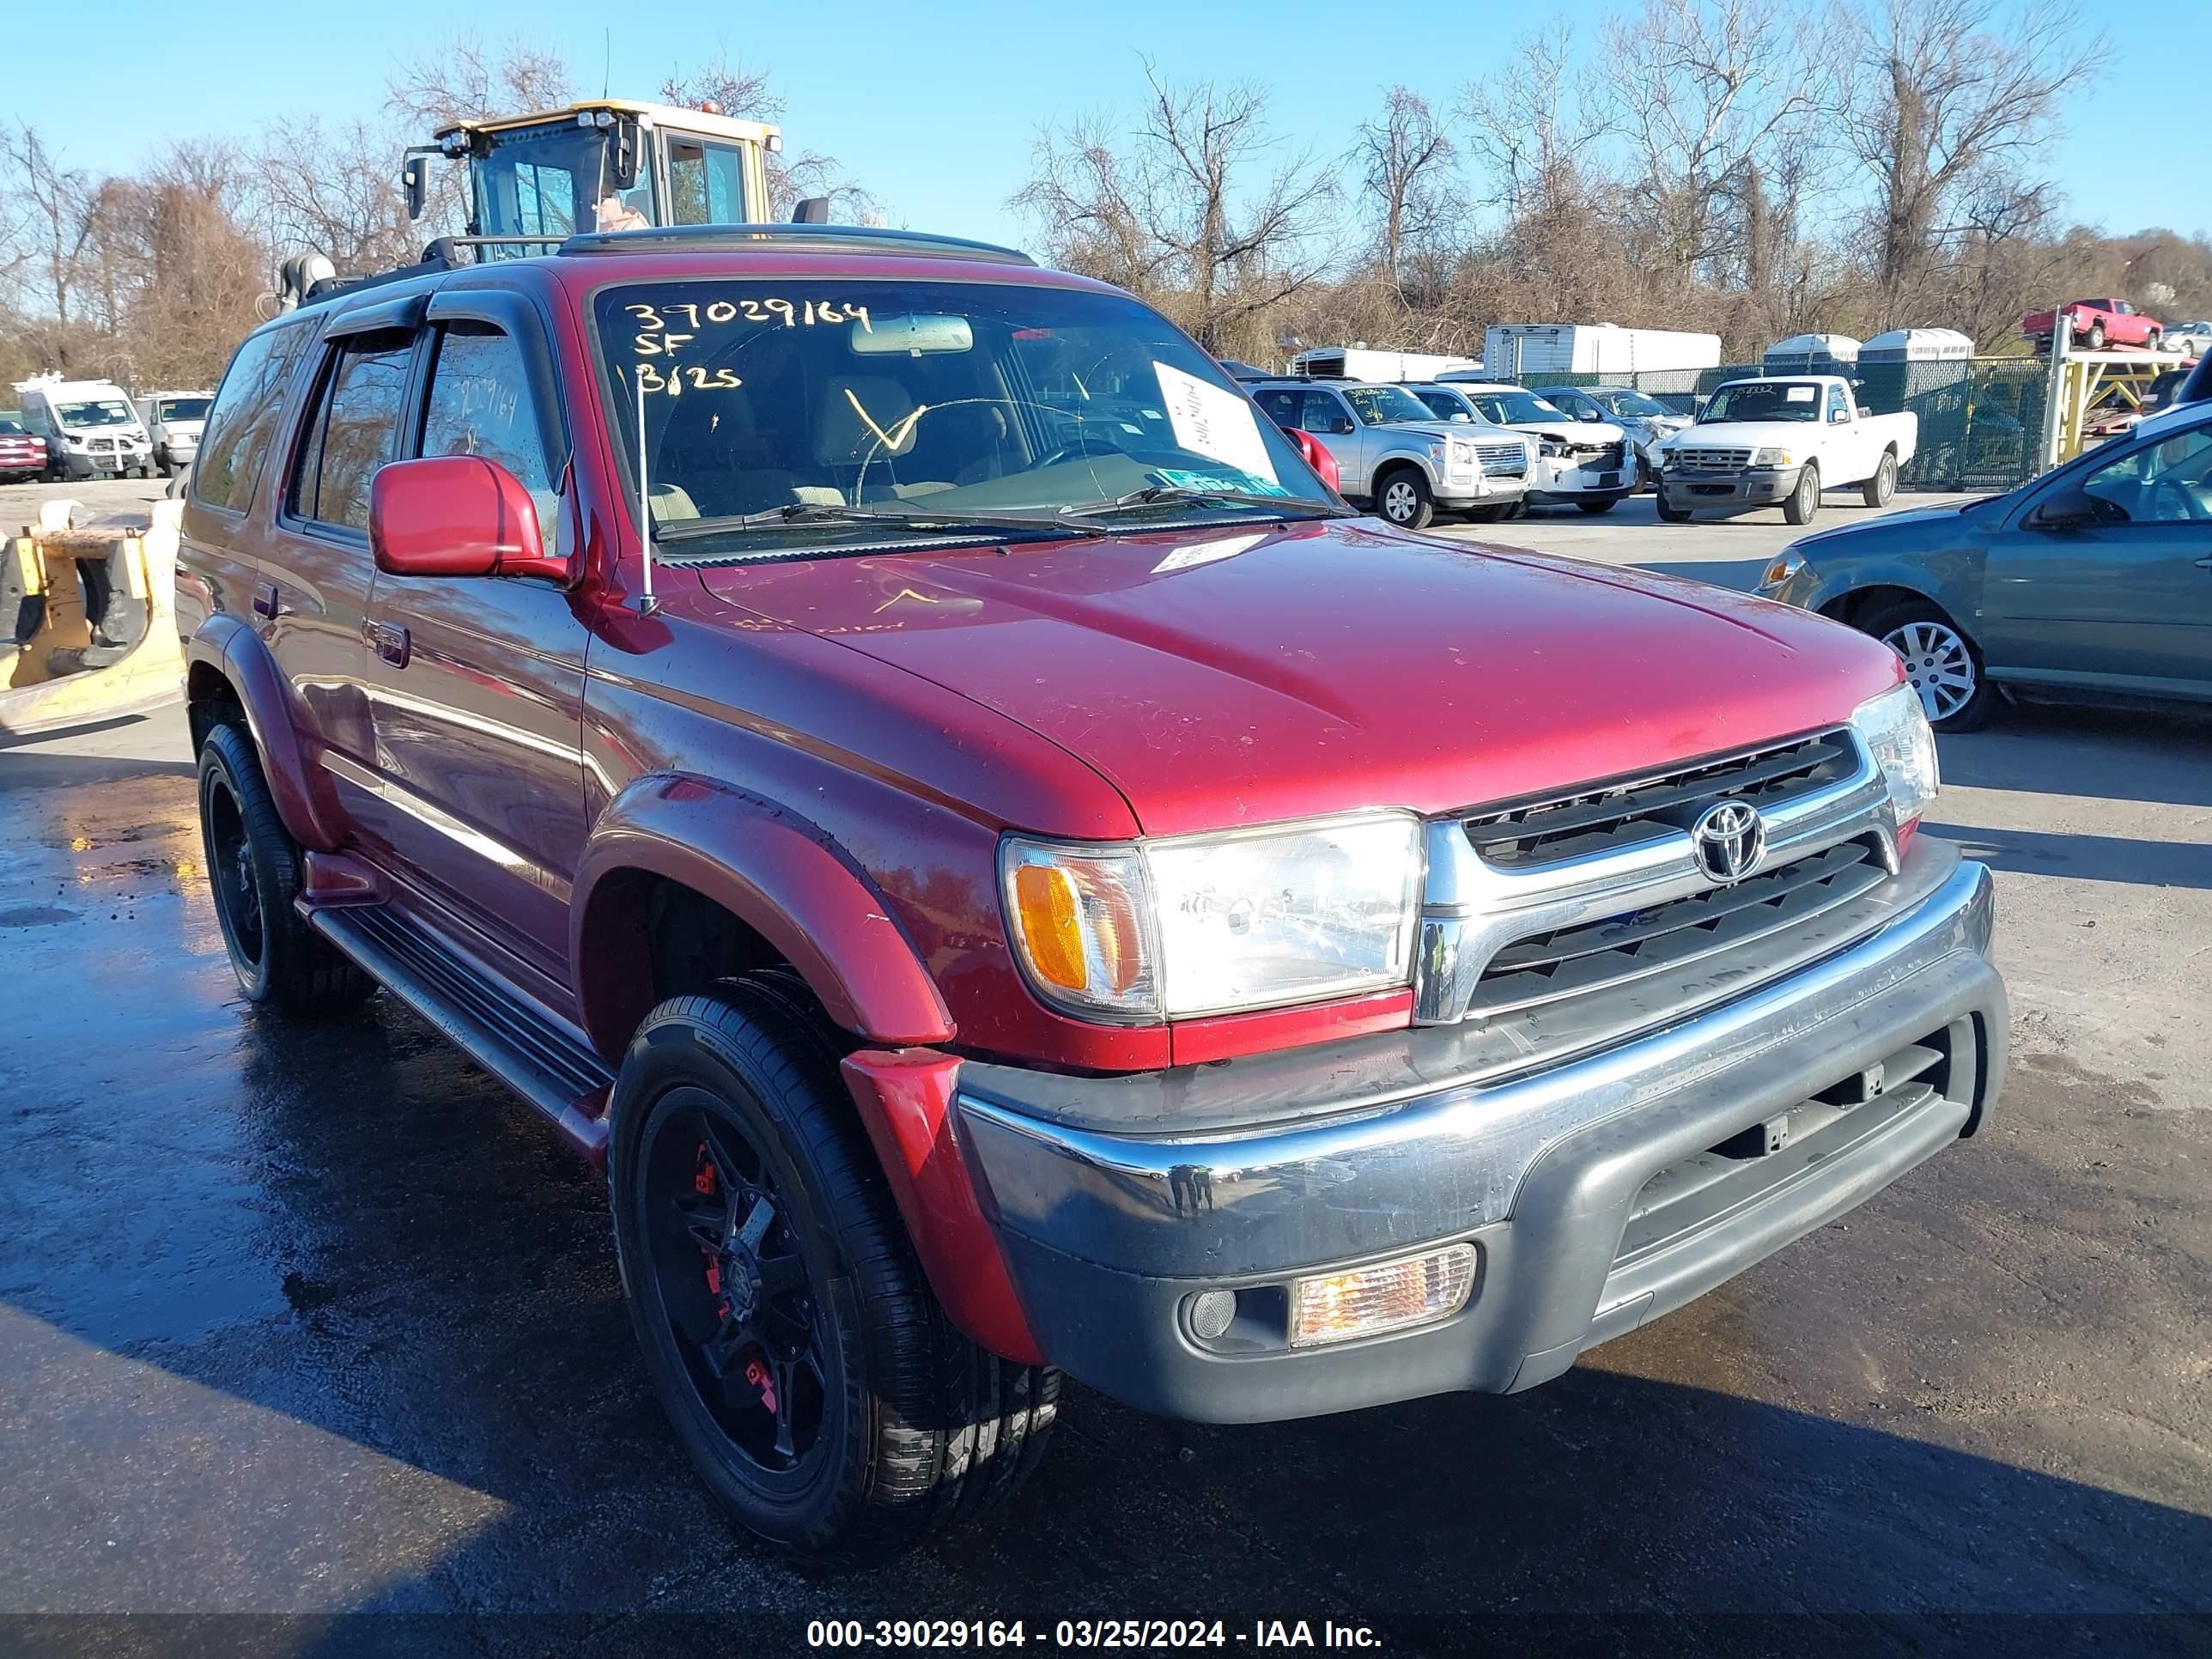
(1045, 903)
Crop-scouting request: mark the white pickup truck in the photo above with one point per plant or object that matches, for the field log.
(1764, 442)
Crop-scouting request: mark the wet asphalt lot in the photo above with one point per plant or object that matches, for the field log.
(316, 1319)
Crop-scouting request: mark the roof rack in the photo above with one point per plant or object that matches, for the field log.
(837, 239)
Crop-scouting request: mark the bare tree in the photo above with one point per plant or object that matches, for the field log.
(1943, 93)
(1531, 134)
(57, 218)
(748, 94)
(1404, 159)
(463, 80)
(1202, 212)
(1708, 95)
(334, 191)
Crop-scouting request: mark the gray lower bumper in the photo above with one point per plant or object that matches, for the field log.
(1559, 1178)
(1760, 489)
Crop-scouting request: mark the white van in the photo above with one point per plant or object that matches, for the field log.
(174, 419)
(93, 430)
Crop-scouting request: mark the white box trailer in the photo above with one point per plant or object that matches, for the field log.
(1360, 363)
(1513, 350)
(1813, 353)
(1918, 345)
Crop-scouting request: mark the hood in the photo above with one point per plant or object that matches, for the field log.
(1745, 434)
(1246, 674)
(1600, 433)
(1912, 524)
(1470, 431)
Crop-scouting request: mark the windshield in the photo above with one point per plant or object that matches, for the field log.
(1387, 405)
(107, 412)
(182, 409)
(1515, 408)
(926, 400)
(552, 181)
(1628, 403)
(1764, 400)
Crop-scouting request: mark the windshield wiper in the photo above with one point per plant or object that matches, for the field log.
(809, 513)
(1153, 494)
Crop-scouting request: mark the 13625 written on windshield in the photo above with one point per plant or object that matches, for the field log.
(663, 330)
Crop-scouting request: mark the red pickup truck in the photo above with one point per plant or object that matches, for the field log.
(892, 754)
(22, 454)
(2095, 323)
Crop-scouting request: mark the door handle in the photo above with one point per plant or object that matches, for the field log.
(265, 600)
(391, 641)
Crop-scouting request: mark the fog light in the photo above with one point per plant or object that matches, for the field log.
(1211, 1313)
(1387, 1297)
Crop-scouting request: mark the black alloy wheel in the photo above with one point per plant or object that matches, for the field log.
(732, 1283)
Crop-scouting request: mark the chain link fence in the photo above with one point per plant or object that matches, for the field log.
(1981, 419)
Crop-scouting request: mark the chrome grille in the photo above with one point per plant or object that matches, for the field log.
(1623, 815)
(1595, 956)
(1596, 454)
(1532, 905)
(1504, 460)
(1711, 460)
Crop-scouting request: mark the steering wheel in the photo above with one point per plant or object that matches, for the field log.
(2192, 504)
(1082, 444)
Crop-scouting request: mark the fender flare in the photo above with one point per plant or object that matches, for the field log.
(240, 656)
(780, 874)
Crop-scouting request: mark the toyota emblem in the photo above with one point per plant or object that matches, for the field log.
(1728, 837)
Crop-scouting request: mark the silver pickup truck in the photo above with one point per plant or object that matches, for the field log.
(1396, 455)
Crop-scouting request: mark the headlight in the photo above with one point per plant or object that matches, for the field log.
(1895, 728)
(1462, 455)
(1209, 924)
(1553, 448)
(1774, 457)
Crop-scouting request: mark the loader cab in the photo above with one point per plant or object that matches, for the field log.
(612, 165)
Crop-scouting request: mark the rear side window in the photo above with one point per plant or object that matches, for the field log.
(354, 430)
(245, 418)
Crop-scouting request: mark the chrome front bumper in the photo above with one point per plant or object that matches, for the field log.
(1113, 1212)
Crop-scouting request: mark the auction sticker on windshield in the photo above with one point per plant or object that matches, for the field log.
(1251, 483)
(1211, 422)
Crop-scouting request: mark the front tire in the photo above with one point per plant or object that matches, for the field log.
(1804, 500)
(807, 1369)
(1940, 662)
(1404, 499)
(1879, 489)
(253, 865)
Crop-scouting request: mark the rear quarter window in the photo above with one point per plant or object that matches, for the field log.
(248, 409)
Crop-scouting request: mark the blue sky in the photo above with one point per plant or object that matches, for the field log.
(934, 106)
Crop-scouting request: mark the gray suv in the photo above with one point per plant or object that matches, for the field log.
(1396, 456)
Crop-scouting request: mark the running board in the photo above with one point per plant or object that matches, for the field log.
(520, 1046)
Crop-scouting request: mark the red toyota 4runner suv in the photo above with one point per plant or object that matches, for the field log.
(1010, 875)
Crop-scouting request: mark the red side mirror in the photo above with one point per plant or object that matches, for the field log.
(1317, 457)
(457, 515)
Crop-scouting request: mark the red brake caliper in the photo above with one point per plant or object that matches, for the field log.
(703, 1182)
(757, 1374)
